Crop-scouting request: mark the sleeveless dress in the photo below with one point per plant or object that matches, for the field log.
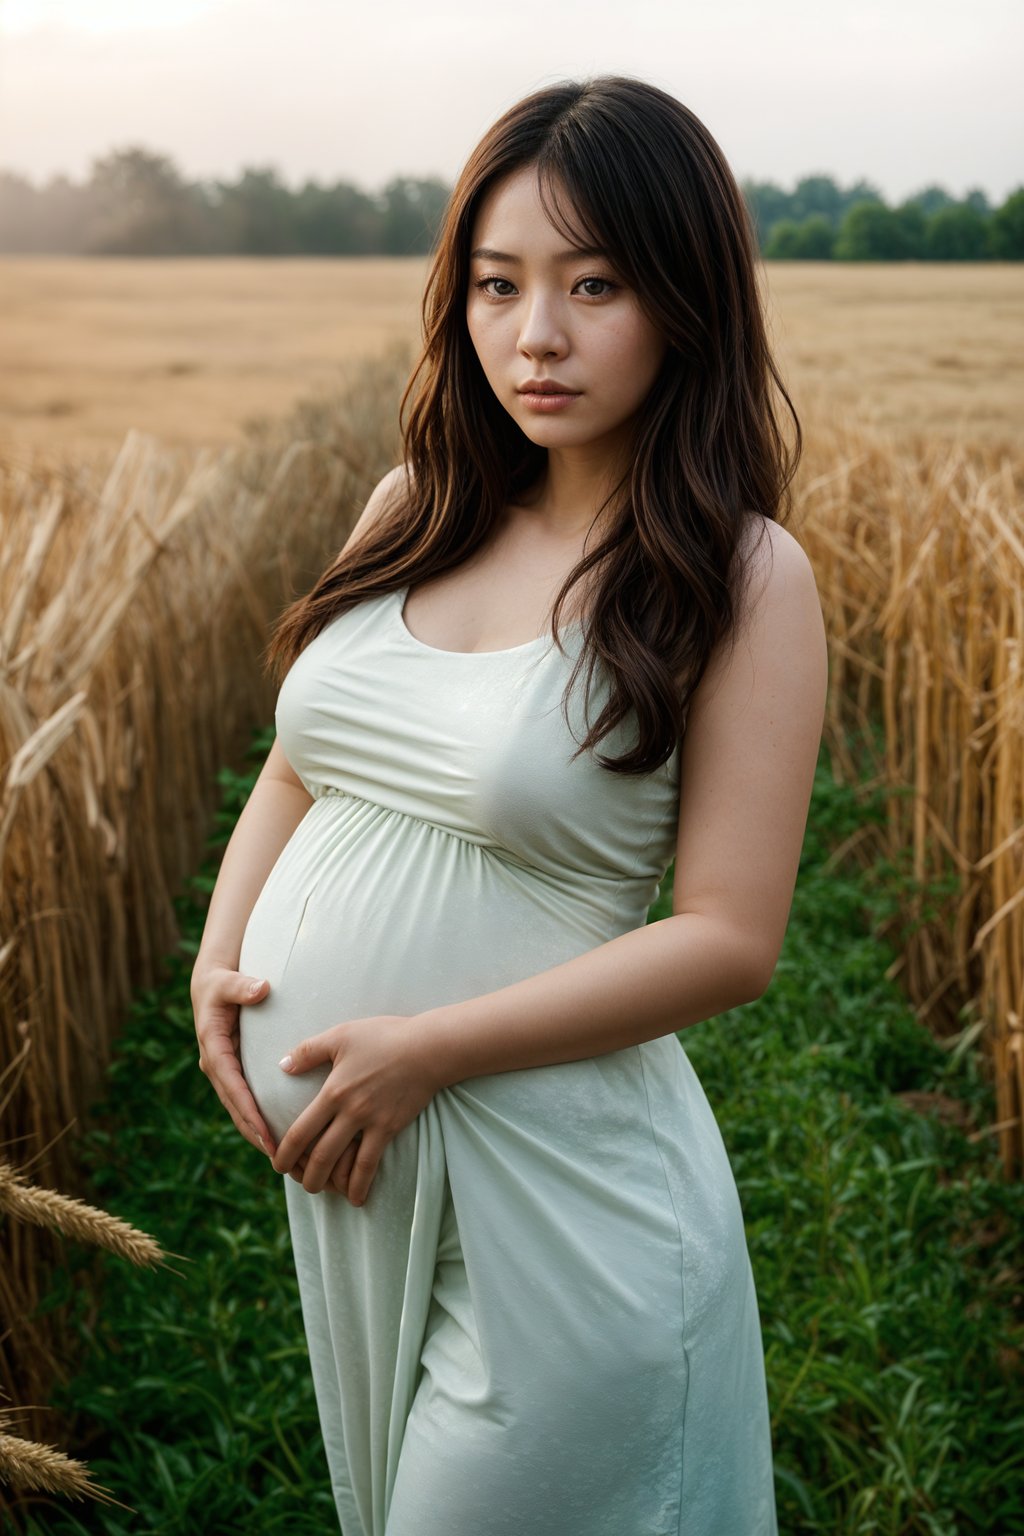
(543, 1320)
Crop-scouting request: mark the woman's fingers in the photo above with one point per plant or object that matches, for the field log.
(217, 992)
(343, 1167)
(338, 1179)
(222, 1067)
(378, 1084)
(324, 1154)
(303, 1133)
(248, 990)
(246, 1114)
(311, 1053)
(371, 1150)
(339, 1176)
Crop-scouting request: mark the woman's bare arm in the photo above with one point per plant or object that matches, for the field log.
(277, 804)
(747, 770)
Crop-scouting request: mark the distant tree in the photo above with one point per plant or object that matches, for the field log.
(816, 195)
(256, 214)
(767, 204)
(137, 203)
(781, 243)
(912, 224)
(866, 233)
(931, 199)
(61, 217)
(872, 232)
(336, 221)
(410, 214)
(956, 233)
(810, 240)
(813, 195)
(1006, 232)
(862, 192)
(19, 212)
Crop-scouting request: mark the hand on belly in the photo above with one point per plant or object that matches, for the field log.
(366, 1077)
(267, 1032)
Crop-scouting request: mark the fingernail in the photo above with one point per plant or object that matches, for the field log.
(254, 987)
(286, 1063)
(262, 1143)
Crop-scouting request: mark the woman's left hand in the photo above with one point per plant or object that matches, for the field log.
(378, 1084)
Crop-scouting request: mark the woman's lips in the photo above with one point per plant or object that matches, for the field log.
(547, 401)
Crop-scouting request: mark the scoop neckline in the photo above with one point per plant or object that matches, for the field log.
(509, 650)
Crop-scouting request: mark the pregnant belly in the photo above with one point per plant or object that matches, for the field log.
(372, 911)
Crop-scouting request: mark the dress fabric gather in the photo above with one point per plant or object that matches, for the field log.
(543, 1321)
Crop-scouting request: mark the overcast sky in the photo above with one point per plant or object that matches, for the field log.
(902, 92)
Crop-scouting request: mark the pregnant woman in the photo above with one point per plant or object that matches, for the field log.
(567, 641)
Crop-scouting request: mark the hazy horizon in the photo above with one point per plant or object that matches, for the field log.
(326, 179)
(902, 96)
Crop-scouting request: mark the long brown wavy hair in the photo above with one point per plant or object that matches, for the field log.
(647, 183)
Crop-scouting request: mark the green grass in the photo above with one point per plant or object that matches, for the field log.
(882, 1241)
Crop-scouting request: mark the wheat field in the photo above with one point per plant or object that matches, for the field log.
(132, 611)
(191, 350)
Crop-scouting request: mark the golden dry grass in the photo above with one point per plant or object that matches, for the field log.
(186, 350)
(190, 350)
(933, 348)
(918, 552)
(134, 604)
(27, 1466)
(133, 612)
(22, 1201)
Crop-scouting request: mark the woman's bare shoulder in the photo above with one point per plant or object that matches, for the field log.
(766, 547)
(390, 488)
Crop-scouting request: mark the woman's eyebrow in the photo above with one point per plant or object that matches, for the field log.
(573, 253)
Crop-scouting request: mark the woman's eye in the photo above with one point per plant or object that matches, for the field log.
(608, 284)
(484, 284)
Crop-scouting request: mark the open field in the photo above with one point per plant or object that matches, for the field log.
(882, 1236)
(882, 1240)
(190, 349)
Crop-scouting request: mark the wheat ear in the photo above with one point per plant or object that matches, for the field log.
(87, 1224)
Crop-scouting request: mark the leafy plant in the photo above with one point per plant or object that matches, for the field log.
(883, 1242)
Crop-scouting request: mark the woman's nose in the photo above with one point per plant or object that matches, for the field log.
(542, 331)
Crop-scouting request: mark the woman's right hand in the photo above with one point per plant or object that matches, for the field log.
(217, 994)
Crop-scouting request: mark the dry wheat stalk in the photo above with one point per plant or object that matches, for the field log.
(134, 608)
(918, 551)
(30, 1467)
(85, 1223)
(113, 731)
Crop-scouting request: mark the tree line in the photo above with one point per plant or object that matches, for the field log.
(137, 203)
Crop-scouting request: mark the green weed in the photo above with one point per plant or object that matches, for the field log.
(882, 1241)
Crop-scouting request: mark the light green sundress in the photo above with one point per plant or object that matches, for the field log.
(543, 1321)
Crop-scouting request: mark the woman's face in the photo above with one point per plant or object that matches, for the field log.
(542, 311)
